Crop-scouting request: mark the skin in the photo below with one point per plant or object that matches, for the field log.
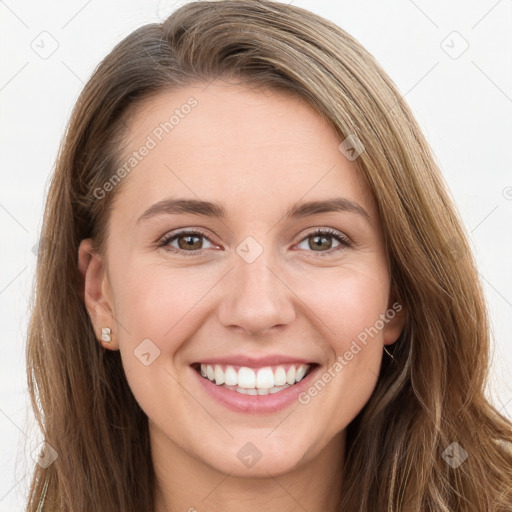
(257, 152)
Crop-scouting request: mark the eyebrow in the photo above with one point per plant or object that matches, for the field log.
(217, 210)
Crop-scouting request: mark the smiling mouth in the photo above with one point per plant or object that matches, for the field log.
(254, 381)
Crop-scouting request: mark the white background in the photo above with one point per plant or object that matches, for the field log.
(463, 104)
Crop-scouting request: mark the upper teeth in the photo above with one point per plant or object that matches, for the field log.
(249, 378)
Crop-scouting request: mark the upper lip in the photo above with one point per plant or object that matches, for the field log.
(255, 362)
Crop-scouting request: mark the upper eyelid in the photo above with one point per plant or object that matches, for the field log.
(169, 236)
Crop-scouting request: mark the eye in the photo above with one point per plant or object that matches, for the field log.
(187, 241)
(319, 240)
(190, 241)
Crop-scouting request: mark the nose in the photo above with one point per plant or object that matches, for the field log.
(257, 297)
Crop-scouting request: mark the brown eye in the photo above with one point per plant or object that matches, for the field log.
(188, 241)
(321, 240)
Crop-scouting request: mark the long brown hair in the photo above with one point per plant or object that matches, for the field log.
(429, 395)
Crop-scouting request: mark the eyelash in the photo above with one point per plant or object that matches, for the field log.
(342, 239)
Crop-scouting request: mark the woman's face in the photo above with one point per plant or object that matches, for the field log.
(253, 293)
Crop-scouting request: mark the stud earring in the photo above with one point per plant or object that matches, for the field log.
(105, 334)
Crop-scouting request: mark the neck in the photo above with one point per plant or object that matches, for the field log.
(185, 483)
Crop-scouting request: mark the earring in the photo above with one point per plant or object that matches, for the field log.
(105, 334)
(387, 352)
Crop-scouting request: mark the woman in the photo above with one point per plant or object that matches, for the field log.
(256, 292)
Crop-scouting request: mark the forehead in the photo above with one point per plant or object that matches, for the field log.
(254, 150)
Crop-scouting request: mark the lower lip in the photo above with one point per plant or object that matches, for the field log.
(256, 404)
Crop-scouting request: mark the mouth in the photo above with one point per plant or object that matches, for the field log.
(248, 380)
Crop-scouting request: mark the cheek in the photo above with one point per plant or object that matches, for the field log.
(158, 302)
(349, 309)
(349, 303)
(157, 310)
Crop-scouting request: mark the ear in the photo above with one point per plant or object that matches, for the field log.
(97, 293)
(396, 315)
